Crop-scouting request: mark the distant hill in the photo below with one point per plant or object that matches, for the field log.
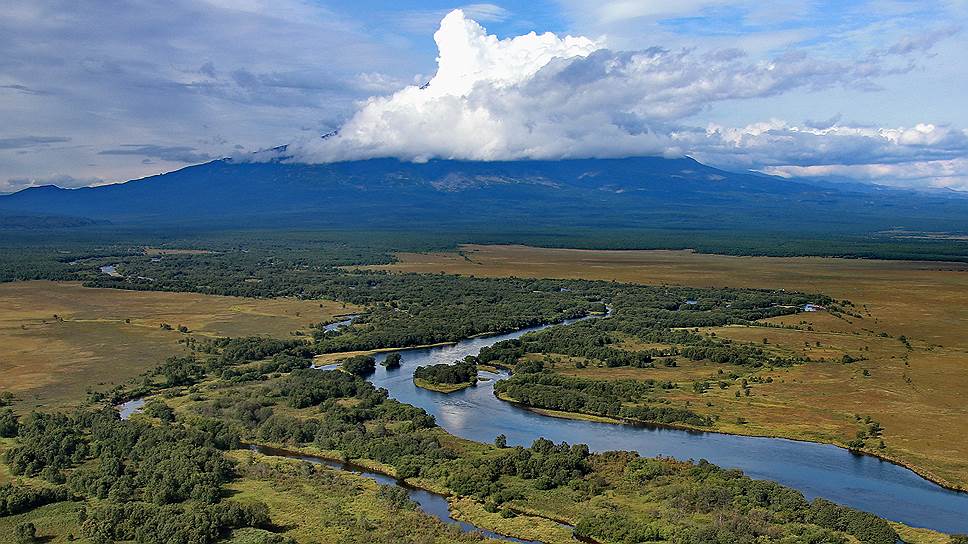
(575, 194)
(40, 221)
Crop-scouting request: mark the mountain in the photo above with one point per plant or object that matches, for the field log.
(581, 193)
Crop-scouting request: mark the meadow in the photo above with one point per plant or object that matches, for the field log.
(61, 338)
(911, 369)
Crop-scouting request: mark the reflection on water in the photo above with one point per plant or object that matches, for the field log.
(817, 470)
(127, 409)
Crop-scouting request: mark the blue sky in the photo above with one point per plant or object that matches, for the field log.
(93, 92)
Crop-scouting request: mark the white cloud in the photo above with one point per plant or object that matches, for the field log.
(486, 12)
(952, 174)
(121, 90)
(547, 97)
(196, 74)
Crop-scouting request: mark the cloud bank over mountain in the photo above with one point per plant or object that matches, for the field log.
(105, 91)
(548, 97)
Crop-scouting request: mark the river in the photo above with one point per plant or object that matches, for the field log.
(817, 470)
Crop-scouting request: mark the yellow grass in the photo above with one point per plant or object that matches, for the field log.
(912, 535)
(106, 336)
(917, 395)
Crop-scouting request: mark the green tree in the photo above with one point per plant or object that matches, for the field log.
(392, 361)
(361, 365)
(25, 532)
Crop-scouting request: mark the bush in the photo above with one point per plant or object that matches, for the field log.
(866, 527)
(15, 499)
(8, 424)
(361, 365)
(392, 361)
(25, 532)
(160, 410)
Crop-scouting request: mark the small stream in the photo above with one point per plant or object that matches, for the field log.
(344, 323)
(430, 503)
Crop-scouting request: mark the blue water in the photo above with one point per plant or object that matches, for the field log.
(817, 470)
(131, 407)
(337, 324)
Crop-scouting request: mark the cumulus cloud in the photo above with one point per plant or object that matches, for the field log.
(951, 174)
(544, 96)
(549, 97)
(776, 143)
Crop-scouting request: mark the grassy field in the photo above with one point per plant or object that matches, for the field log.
(55, 523)
(915, 393)
(101, 337)
(445, 388)
(316, 504)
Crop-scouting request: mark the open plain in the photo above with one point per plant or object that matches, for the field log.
(61, 338)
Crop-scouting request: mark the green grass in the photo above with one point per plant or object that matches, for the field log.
(317, 504)
(54, 522)
(441, 387)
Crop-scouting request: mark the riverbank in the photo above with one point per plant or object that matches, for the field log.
(915, 392)
(579, 416)
(445, 388)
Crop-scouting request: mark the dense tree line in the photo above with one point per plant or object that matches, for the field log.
(279, 363)
(595, 397)
(232, 351)
(660, 315)
(163, 524)
(15, 499)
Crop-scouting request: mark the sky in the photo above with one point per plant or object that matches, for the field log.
(94, 92)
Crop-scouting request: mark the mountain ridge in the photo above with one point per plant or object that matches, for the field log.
(633, 192)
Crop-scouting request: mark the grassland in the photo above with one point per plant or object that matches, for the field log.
(916, 393)
(317, 504)
(60, 338)
(55, 523)
(441, 387)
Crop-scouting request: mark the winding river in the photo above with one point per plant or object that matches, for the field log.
(817, 470)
